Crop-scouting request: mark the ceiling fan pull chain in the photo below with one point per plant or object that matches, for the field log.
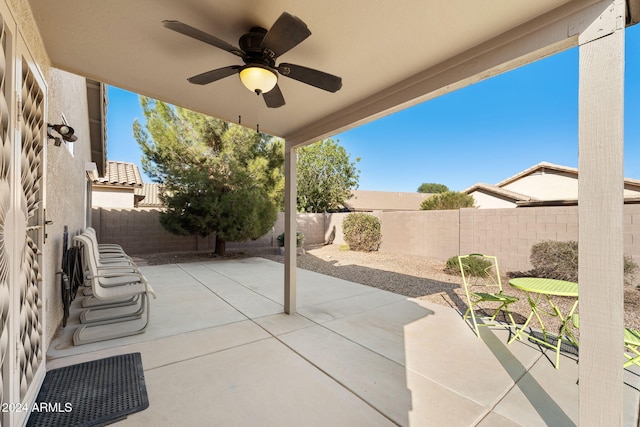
(258, 113)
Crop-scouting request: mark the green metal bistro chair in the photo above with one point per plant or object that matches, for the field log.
(482, 284)
(632, 344)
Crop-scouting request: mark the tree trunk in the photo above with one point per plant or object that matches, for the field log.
(220, 247)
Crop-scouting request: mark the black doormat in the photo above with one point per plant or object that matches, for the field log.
(95, 393)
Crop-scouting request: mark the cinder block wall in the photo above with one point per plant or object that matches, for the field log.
(138, 231)
(311, 225)
(632, 231)
(333, 228)
(506, 233)
(510, 233)
(433, 234)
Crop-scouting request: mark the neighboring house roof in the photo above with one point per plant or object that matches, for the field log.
(498, 190)
(149, 196)
(540, 167)
(120, 174)
(363, 200)
(546, 166)
(494, 189)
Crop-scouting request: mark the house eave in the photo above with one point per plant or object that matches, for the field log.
(633, 12)
(566, 202)
(97, 105)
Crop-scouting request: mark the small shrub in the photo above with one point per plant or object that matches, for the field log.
(555, 260)
(630, 270)
(473, 266)
(299, 239)
(362, 232)
(559, 260)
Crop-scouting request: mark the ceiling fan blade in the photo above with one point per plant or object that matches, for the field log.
(213, 75)
(286, 33)
(312, 77)
(274, 98)
(195, 33)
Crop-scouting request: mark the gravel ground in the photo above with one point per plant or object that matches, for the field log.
(408, 275)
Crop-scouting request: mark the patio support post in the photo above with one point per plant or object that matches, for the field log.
(290, 228)
(600, 216)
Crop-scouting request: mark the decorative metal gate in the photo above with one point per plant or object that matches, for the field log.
(5, 206)
(22, 150)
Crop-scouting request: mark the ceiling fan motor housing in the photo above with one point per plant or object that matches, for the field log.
(251, 44)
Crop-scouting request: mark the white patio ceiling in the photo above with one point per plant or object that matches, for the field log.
(379, 48)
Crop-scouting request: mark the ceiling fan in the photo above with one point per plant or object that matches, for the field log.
(259, 50)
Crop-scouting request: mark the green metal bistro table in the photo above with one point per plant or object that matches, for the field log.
(537, 290)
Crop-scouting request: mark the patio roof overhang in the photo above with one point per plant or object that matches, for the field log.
(391, 55)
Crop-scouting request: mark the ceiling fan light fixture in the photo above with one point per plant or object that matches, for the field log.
(258, 78)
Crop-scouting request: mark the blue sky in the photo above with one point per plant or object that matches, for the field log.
(483, 133)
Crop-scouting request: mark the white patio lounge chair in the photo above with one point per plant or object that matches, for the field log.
(106, 247)
(106, 254)
(112, 322)
(111, 265)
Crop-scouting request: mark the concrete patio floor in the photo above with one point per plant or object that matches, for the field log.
(220, 351)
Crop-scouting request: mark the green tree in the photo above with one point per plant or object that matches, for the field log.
(432, 187)
(217, 176)
(326, 176)
(448, 200)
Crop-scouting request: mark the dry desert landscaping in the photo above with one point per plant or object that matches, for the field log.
(409, 275)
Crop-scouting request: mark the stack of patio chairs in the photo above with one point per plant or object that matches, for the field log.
(116, 294)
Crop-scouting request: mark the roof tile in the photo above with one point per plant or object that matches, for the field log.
(121, 174)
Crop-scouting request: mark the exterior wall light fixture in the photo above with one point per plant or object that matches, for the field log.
(66, 133)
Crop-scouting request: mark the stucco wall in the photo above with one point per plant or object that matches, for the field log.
(488, 201)
(65, 172)
(112, 197)
(546, 186)
(553, 185)
(66, 180)
(23, 16)
(631, 191)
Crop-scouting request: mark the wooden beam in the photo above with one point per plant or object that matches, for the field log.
(290, 228)
(600, 217)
